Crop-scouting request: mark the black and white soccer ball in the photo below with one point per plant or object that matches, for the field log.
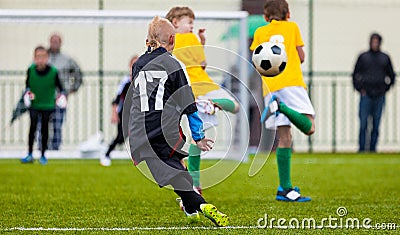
(270, 58)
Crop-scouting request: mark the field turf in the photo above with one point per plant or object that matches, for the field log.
(80, 196)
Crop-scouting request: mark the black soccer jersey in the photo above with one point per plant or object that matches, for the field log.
(160, 95)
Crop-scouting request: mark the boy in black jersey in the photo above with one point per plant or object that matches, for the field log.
(158, 97)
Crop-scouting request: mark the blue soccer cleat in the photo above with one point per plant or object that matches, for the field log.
(290, 195)
(43, 160)
(272, 108)
(27, 159)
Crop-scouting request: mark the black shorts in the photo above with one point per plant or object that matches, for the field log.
(163, 162)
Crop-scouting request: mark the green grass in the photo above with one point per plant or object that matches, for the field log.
(82, 194)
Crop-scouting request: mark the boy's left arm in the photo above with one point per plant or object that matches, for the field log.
(61, 100)
(202, 36)
(76, 72)
(390, 73)
(301, 53)
(299, 42)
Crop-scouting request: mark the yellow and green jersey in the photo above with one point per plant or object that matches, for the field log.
(189, 51)
(289, 32)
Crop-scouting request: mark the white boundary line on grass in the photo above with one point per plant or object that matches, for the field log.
(126, 229)
(149, 228)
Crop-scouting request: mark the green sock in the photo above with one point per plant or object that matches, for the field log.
(194, 164)
(283, 157)
(225, 104)
(301, 121)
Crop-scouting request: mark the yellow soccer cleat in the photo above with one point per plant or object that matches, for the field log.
(212, 213)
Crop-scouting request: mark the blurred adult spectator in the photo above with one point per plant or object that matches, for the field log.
(70, 76)
(372, 77)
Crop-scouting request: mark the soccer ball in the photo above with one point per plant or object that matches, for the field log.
(270, 58)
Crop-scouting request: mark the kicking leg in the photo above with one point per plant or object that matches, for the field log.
(304, 122)
(190, 201)
(194, 202)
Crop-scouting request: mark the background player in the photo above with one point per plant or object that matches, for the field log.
(160, 96)
(117, 110)
(286, 93)
(189, 49)
(41, 83)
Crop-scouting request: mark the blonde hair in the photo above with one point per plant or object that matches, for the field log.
(159, 32)
(178, 12)
(276, 9)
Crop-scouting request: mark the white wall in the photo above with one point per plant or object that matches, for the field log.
(341, 28)
(203, 5)
(81, 41)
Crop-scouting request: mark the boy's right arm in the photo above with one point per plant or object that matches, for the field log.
(28, 93)
(357, 77)
(27, 81)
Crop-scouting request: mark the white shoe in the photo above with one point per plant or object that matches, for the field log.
(105, 161)
(194, 217)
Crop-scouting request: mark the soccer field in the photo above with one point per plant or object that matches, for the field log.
(69, 196)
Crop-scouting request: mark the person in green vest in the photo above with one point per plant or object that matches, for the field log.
(41, 84)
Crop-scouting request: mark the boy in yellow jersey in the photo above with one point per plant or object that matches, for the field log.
(189, 49)
(285, 94)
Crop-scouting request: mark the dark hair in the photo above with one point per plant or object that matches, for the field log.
(276, 9)
(39, 48)
(377, 36)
